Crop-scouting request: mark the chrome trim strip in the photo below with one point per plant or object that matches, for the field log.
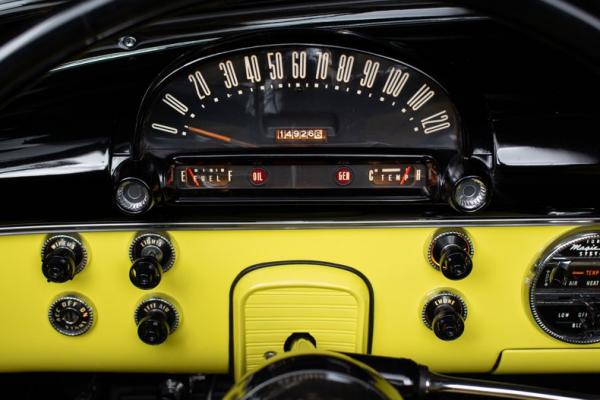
(507, 391)
(445, 384)
(296, 224)
(368, 18)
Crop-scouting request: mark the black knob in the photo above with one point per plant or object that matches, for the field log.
(445, 314)
(153, 328)
(59, 266)
(451, 253)
(455, 263)
(156, 319)
(62, 258)
(145, 273)
(151, 254)
(447, 324)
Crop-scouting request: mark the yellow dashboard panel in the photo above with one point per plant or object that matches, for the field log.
(393, 261)
(271, 303)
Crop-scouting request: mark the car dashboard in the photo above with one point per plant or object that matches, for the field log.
(410, 179)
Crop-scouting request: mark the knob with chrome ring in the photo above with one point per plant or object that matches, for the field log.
(151, 254)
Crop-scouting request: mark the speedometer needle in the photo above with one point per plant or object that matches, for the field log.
(217, 136)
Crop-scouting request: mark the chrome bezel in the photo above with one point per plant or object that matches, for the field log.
(141, 304)
(167, 266)
(440, 293)
(446, 233)
(84, 302)
(484, 194)
(75, 238)
(119, 189)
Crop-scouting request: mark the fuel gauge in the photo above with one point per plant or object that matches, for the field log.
(217, 176)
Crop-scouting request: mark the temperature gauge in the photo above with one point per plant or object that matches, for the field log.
(397, 175)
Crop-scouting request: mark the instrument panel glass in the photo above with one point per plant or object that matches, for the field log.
(292, 95)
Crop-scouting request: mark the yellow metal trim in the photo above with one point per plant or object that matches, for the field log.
(571, 361)
(271, 303)
(393, 259)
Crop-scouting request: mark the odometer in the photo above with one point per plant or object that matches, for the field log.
(292, 95)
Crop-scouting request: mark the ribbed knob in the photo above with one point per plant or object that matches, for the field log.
(153, 328)
(455, 263)
(156, 319)
(63, 256)
(152, 254)
(445, 315)
(59, 266)
(451, 253)
(145, 273)
(447, 324)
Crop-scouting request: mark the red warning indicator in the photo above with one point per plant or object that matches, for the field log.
(258, 176)
(343, 176)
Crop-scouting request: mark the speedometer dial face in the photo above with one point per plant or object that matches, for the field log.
(291, 95)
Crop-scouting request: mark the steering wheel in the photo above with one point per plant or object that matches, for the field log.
(74, 29)
(307, 372)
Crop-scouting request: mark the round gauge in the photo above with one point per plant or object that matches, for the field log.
(297, 95)
(564, 291)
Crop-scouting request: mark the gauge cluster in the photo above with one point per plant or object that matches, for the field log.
(302, 122)
(256, 176)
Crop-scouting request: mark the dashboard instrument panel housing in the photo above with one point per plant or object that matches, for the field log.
(295, 114)
(457, 99)
(511, 121)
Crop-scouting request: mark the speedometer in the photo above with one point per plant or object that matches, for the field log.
(297, 95)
